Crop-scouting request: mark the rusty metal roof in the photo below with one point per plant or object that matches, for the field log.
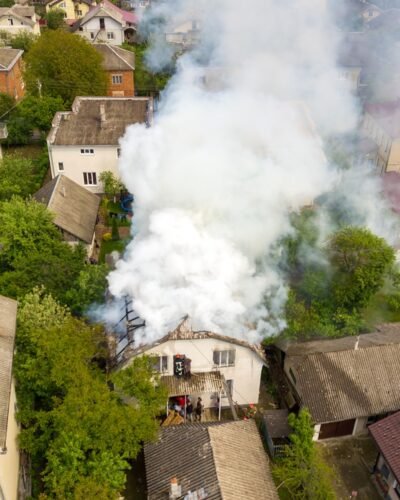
(221, 460)
(386, 433)
(197, 383)
(8, 318)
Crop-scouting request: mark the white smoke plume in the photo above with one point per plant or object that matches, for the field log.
(218, 173)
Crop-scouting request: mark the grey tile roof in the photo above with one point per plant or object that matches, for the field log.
(84, 125)
(8, 317)
(227, 460)
(75, 208)
(8, 57)
(277, 424)
(115, 58)
(348, 382)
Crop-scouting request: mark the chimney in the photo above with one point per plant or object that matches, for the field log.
(174, 490)
(357, 342)
(102, 113)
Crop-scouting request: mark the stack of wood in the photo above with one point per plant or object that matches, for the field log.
(173, 419)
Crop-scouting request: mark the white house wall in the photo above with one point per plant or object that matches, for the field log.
(111, 26)
(246, 373)
(75, 164)
(9, 462)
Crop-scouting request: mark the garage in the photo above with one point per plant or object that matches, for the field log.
(337, 429)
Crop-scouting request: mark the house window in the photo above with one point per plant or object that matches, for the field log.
(117, 79)
(81, 29)
(118, 152)
(224, 358)
(62, 5)
(90, 178)
(92, 35)
(60, 165)
(65, 15)
(161, 364)
(87, 151)
(11, 22)
(102, 23)
(385, 471)
(110, 35)
(78, 12)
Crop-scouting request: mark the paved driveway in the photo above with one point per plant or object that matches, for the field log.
(352, 460)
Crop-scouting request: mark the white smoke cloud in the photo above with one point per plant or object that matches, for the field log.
(217, 174)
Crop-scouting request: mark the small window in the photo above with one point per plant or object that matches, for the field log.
(110, 35)
(102, 23)
(224, 358)
(62, 5)
(11, 22)
(92, 35)
(65, 15)
(81, 29)
(385, 471)
(60, 165)
(117, 79)
(79, 12)
(87, 151)
(118, 152)
(90, 178)
(161, 364)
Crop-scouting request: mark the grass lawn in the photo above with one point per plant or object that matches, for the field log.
(109, 246)
(379, 312)
(110, 206)
(32, 151)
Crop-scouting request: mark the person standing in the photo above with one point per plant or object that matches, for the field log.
(199, 409)
(189, 411)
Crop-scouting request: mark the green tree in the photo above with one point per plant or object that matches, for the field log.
(32, 113)
(23, 41)
(90, 288)
(33, 252)
(112, 186)
(360, 261)
(55, 19)
(6, 104)
(17, 177)
(78, 432)
(61, 64)
(301, 471)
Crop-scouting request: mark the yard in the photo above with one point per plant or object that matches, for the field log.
(352, 460)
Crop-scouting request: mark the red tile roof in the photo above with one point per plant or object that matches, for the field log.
(387, 114)
(391, 190)
(386, 433)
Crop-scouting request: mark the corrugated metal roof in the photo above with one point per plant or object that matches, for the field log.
(277, 423)
(348, 384)
(197, 383)
(8, 318)
(226, 459)
(386, 433)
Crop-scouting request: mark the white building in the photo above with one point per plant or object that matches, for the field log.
(218, 364)
(9, 454)
(84, 142)
(107, 23)
(18, 18)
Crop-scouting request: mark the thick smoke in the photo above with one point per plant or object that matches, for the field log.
(218, 173)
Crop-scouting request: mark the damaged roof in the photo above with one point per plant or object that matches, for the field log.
(98, 121)
(344, 378)
(8, 320)
(221, 460)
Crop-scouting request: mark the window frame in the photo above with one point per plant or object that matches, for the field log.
(90, 178)
(87, 151)
(161, 364)
(61, 166)
(110, 35)
(116, 77)
(226, 357)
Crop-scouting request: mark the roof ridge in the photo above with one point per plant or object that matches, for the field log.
(54, 190)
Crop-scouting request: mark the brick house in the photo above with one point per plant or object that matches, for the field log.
(119, 65)
(11, 81)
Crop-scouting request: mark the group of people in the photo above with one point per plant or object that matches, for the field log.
(192, 413)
